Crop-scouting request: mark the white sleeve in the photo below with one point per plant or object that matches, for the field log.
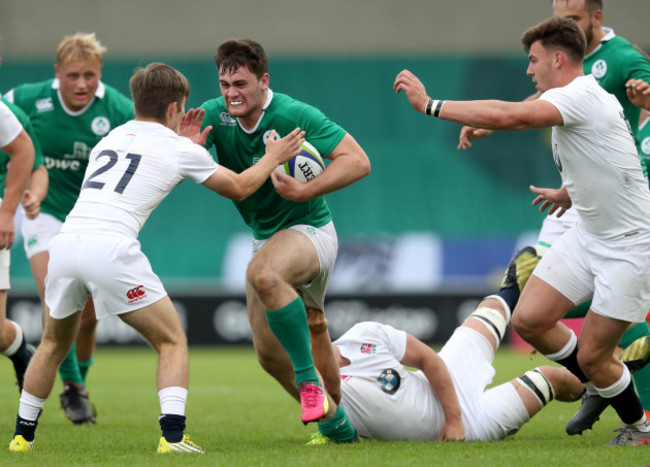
(197, 163)
(10, 127)
(393, 339)
(571, 105)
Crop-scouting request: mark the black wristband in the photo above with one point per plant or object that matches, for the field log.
(427, 110)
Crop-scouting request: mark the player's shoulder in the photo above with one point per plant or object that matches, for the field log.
(30, 92)
(17, 111)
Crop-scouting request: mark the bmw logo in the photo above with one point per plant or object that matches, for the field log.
(389, 380)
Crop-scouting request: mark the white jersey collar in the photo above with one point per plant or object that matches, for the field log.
(99, 94)
(269, 98)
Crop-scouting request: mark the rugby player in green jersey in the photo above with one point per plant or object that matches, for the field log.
(294, 240)
(70, 114)
(623, 71)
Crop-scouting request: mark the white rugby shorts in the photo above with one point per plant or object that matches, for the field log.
(110, 268)
(488, 415)
(326, 243)
(553, 227)
(37, 233)
(615, 271)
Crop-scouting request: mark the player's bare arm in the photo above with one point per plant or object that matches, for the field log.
(349, 163)
(239, 186)
(485, 114)
(638, 91)
(468, 133)
(421, 356)
(555, 199)
(21, 150)
(35, 193)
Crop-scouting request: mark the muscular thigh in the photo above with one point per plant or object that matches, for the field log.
(288, 253)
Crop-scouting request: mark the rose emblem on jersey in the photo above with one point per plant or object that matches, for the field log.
(100, 126)
(645, 145)
(368, 349)
(389, 380)
(599, 68)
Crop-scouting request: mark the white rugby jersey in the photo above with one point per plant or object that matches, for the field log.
(382, 398)
(595, 153)
(129, 173)
(10, 127)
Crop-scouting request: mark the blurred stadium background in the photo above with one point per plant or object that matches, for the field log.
(423, 237)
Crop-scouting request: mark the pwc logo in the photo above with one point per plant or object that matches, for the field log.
(135, 294)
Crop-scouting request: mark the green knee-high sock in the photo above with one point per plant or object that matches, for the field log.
(84, 367)
(289, 324)
(641, 377)
(338, 427)
(580, 311)
(69, 369)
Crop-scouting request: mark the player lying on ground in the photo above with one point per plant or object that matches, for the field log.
(446, 399)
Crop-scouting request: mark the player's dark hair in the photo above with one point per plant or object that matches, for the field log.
(235, 53)
(592, 5)
(154, 87)
(558, 33)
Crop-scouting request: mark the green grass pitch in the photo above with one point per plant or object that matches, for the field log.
(242, 417)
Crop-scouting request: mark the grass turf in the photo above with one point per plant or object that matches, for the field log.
(242, 417)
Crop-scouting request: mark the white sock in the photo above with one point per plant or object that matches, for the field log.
(30, 406)
(173, 400)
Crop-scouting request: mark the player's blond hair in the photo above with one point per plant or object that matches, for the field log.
(80, 46)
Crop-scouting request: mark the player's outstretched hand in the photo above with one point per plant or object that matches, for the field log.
(638, 91)
(414, 89)
(555, 199)
(31, 204)
(190, 126)
(283, 149)
(468, 133)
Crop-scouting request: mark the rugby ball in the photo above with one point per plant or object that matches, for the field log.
(306, 165)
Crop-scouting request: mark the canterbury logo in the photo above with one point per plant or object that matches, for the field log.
(135, 294)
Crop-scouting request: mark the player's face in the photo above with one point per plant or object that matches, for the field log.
(541, 66)
(79, 80)
(576, 10)
(243, 93)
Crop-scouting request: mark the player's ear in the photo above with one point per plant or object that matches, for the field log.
(264, 81)
(597, 18)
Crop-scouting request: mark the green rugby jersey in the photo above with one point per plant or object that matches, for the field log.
(613, 63)
(67, 137)
(27, 126)
(265, 211)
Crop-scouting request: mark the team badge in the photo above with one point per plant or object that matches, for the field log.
(645, 145)
(599, 68)
(389, 380)
(100, 126)
(368, 349)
